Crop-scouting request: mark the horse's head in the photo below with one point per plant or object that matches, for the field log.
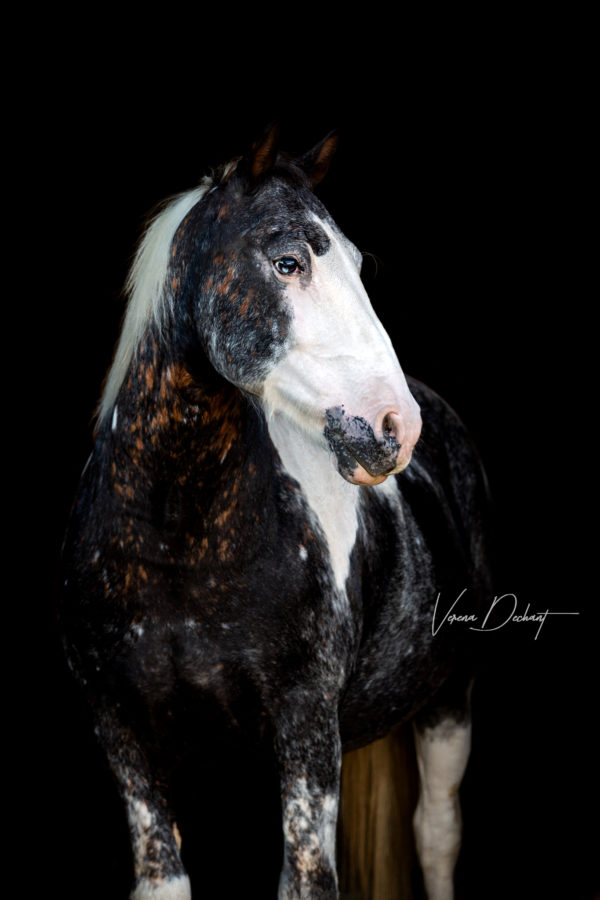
(281, 312)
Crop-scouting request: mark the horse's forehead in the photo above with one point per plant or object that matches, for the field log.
(282, 208)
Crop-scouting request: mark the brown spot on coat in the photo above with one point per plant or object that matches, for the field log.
(222, 517)
(224, 285)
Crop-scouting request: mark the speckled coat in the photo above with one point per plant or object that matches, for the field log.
(198, 581)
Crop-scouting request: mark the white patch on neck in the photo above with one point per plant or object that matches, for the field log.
(333, 500)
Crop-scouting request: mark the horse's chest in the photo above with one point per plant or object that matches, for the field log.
(398, 664)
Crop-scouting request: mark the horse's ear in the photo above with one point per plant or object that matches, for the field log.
(264, 153)
(316, 162)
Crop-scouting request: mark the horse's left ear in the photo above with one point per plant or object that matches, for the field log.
(316, 162)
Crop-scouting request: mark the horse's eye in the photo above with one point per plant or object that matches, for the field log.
(287, 265)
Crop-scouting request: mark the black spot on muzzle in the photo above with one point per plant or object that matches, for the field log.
(353, 441)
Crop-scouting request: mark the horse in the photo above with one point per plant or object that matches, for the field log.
(269, 514)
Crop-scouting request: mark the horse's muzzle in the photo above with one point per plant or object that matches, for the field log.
(366, 454)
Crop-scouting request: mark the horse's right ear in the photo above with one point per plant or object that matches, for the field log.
(264, 152)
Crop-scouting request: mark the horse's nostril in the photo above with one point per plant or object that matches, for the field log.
(388, 426)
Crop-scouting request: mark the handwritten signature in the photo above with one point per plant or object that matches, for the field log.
(502, 611)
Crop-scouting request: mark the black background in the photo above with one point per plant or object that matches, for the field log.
(462, 179)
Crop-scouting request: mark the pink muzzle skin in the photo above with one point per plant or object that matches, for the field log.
(366, 455)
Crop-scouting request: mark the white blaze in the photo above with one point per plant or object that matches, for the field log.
(340, 354)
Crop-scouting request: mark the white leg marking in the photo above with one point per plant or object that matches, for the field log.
(442, 754)
(309, 827)
(177, 888)
(142, 823)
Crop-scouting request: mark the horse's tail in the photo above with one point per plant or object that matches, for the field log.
(376, 850)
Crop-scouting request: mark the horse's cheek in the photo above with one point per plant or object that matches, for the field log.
(244, 340)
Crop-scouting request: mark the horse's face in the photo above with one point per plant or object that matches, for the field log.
(284, 315)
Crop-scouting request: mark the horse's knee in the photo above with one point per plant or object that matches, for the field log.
(176, 888)
(437, 826)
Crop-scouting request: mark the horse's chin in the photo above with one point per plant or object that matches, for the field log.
(361, 476)
(364, 478)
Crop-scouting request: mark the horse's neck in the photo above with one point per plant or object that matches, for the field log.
(165, 426)
(165, 418)
(332, 499)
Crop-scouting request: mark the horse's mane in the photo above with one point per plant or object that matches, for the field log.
(148, 301)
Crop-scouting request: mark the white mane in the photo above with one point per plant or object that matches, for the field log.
(145, 288)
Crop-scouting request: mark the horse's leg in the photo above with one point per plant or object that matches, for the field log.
(158, 870)
(309, 752)
(443, 743)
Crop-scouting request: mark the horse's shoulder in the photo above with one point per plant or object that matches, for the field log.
(446, 476)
